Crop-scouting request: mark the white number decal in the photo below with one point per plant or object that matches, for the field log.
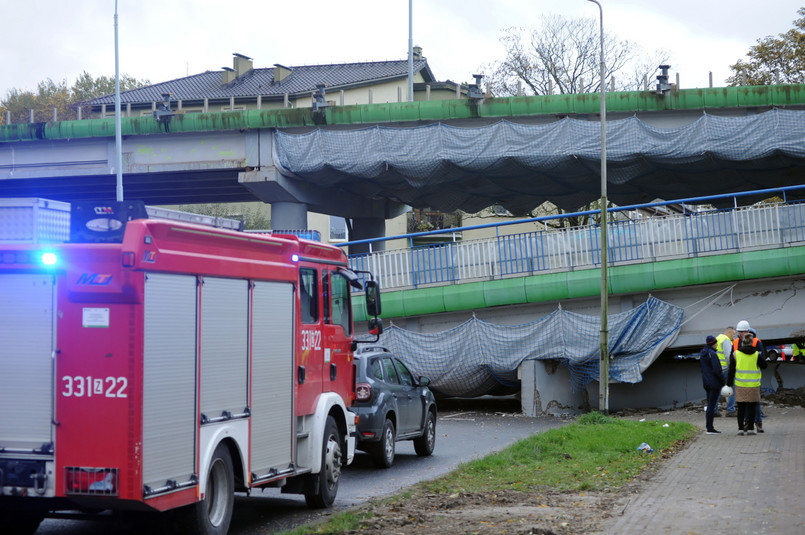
(68, 386)
(110, 386)
(311, 339)
(123, 382)
(79, 387)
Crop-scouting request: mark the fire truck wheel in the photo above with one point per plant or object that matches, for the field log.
(323, 487)
(425, 444)
(213, 515)
(383, 452)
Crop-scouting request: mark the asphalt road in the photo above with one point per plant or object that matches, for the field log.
(461, 436)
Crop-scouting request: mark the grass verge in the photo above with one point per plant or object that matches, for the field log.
(595, 453)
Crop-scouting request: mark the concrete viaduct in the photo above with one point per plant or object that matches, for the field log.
(234, 156)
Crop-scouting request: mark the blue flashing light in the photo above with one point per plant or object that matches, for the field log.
(295, 258)
(49, 259)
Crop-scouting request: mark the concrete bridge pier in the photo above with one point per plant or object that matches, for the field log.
(291, 199)
(364, 228)
(668, 383)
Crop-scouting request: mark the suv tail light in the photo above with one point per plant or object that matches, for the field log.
(363, 391)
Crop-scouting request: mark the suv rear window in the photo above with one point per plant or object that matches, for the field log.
(375, 369)
(389, 372)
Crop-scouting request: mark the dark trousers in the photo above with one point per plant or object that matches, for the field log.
(712, 407)
(746, 413)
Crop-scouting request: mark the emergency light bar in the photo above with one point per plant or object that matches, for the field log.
(49, 259)
(43, 258)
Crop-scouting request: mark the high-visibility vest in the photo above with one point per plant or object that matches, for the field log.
(722, 358)
(747, 373)
(755, 340)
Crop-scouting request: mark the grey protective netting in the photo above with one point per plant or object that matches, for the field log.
(478, 358)
(522, 165)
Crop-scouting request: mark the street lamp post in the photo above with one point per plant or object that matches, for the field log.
(603, 377)
(118, 129)
(410, 50)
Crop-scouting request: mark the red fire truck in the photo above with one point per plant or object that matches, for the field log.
(171, 366)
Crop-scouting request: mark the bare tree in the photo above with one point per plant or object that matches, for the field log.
(563, 56)
(253, 214)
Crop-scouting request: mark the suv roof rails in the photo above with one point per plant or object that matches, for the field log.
(371, 349)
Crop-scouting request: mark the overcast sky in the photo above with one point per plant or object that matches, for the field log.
(167, 39)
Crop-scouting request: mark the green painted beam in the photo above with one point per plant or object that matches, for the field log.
(632, 278)
(424, 111)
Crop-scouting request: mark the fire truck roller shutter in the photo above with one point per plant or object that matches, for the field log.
(224, 346)
(272, 377)
(169, 379)
(27, 325)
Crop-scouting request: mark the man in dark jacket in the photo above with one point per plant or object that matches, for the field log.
(712, 380)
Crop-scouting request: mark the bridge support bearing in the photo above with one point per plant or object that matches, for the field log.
(545, 390)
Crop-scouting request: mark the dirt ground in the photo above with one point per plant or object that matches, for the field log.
(535, 513)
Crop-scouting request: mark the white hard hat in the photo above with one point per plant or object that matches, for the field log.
(726, 391)
(743, 325)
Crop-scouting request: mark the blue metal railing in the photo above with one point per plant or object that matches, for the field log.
(313, 235)
(433, 263)
(631, 239)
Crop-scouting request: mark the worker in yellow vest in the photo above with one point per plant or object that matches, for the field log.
(746, 361)
(723, 349)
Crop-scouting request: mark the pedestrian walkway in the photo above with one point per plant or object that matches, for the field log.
(725, 484)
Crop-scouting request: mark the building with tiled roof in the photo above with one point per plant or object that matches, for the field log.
(244, 87)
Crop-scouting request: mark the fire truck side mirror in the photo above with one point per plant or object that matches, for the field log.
(376, 327)
(372, 298)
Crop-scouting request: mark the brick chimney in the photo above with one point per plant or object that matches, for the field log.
(281, 72)
(228, 75)
(242, 64)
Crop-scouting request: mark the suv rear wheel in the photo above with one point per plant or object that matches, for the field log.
(383, 452)
(424, 445)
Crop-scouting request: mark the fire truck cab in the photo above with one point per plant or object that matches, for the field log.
(169, 366)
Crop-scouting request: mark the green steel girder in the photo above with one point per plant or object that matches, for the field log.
(782, 96)
(627, 279)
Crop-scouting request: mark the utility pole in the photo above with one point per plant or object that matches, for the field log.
(603, 377)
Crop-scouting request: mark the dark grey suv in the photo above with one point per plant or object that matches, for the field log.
(392, 405)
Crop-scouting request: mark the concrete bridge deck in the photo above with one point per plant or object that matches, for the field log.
(250, 155)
